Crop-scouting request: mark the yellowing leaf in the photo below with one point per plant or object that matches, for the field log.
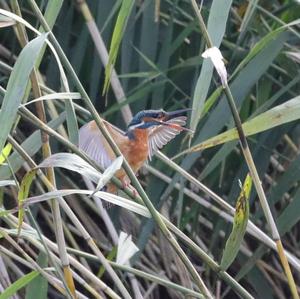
(23, 193)
(5, 153)
(278, 115)
(239, 225)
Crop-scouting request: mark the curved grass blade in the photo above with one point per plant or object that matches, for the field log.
(74, 163)
(17, 285)
(31, 145)
(118, 33)
(259, 46)
(77, 164)
(281, 114)
(239, 225)
(108, 173)
(109, 197)
(7, 183)
(56, 96)
(6, 22)
(17, 83)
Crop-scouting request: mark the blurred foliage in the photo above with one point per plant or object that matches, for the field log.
(158, 63)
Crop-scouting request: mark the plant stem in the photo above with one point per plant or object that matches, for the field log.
(46, 150)
(252, 168)
(238, 288)
(103, 54)
(77, 223)
(117, 152)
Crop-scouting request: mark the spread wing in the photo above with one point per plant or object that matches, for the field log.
(161, 135)
(92, 142)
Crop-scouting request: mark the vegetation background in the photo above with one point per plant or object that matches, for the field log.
(158, 65)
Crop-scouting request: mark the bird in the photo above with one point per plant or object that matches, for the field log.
(148, 131)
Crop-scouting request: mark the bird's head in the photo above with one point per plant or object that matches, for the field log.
(150, 118)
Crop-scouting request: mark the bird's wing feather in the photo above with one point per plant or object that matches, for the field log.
(161, 135)
(92, 142)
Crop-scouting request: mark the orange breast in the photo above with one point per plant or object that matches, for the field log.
(136, 152)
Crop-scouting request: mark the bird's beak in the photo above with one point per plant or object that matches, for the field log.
(173, 114)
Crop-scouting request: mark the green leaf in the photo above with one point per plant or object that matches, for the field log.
(239, 225)
(281, 114)
(16, 86)
(17, 285)
(52, 11)
(118, 33)
(31, 145)
(22, 194)
(5, 213)
(216, 26)
(5, 153)
(252, 5)
(110, 257)
(38, 287)
(290, 215)
(258, 47)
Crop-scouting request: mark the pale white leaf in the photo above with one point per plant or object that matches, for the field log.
(74, 163)
(217, 59)
(6, 21)
(293, 55)
(126, 249)
(109, 173)
(55, 96)
(7, 183)
(111, 198)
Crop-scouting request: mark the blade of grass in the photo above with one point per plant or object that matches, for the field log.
(126, 166)
(118, 33)
(254, 173)
(282, 114)
(101, 50)
(19, 284)
(6, 22)
(38, 287)
(69, 212)
(73, 131)
(17, 85)
(217, 20)
(240, 221)
(31, 145)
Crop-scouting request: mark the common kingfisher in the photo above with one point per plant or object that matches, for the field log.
(148, 131)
